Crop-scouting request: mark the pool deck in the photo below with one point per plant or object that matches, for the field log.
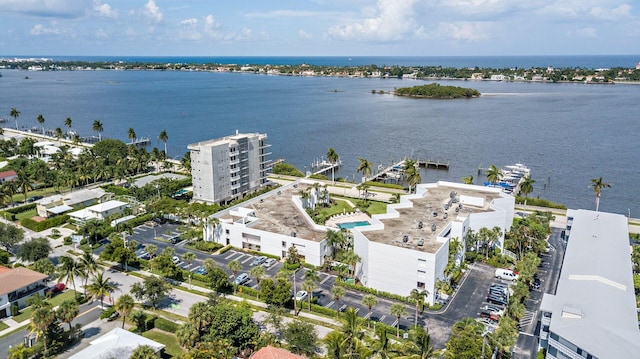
(347, 218)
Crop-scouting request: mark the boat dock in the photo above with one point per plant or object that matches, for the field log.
(394, 171)
(437, 164)
(323, 166)
(141, 141)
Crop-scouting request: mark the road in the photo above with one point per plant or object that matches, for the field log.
(88, 313)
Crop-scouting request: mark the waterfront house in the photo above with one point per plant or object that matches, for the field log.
(62, 203)
(99, 211)
(17, 285)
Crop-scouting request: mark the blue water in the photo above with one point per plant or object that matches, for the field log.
(567, 61)
(350, 225)
(566, 133)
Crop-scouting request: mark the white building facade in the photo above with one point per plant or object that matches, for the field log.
(227, 168)
(593, 312)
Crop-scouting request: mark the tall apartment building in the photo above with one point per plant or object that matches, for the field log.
(593, 312)
(229, 167)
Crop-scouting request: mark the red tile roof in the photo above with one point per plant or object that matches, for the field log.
(17, 278)
(6, 174)
(270, 352)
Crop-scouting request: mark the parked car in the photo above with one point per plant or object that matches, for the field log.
(493, 309)
(269, 262)
(175, 239)
(258, 260)
(242, 278)
(489, 314)
(499, 291)
(201, 271)
(507, 274)
(113, 316)
(536, 284)
(57, 288)
(301, 295)
(175, 260)
(497, 299)
(34, 198)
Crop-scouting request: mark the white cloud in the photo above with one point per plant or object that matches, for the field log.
(45, 8)
(284, 13)
(189, 29)
(463, 31)
(152, 11)
(390, 20)
(303, 35)
(211, 26)
(101, 34)
(586, 32)
(104, 10)
(40, 29)
(608, 10)
(131, 32)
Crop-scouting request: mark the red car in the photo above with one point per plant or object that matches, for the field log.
(57, 288)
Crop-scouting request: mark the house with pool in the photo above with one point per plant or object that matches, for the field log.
(403, 249)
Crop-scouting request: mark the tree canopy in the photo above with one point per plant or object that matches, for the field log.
(437, 91)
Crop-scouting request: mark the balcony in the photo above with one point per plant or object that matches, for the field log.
(13, 296)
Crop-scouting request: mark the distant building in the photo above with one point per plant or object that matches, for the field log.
(8, 176)
(227, 168)
(593, 312)
(18, 284)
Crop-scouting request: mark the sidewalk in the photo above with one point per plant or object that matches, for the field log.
(13, 325)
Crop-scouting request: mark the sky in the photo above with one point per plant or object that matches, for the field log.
(319, 27)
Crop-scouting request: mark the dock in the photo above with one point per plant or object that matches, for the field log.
(323, 166)
(140, 141)
(388, 172)
(437, 164)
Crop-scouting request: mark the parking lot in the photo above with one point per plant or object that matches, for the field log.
(466, 302)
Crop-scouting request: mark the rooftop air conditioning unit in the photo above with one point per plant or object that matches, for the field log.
(420, 242)
(293, 234)
(433, 227)
(420, 225)
(405, 238)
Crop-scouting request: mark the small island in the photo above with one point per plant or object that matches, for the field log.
(436, 91)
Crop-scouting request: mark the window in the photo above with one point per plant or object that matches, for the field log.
(554, 336)
(284, 244)
(226, 231)
(420, 285)
(553, 351)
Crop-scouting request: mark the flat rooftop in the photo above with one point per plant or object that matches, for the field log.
(278, 214)
(474, 199)
(595, 304)
(227, 139)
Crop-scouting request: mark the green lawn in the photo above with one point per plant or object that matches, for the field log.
(172, 348)
(28, 214)
(3, 326)
(40, 192)
(55, 301)
(340, 207)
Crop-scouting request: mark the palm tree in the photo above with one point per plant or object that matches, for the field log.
(397, 310)
(143, 352)
(24, 181)
(417, 297)
(40, 120)
(68, 270)
(494, 175)
(369, 301)
(200, 315)
(335, 343)
(467, 180)
(41, 319)
(333, 158)
(101, 287)
(309, 285)
(131, 134)
(68, 122)
(89, 265)
(187, 335)
(351, 330)
(235, 267)
(420, 343)
(163, 137)
(124, 305)
(365, 167)
(8, 188)
(97, 127)
(58, 133)
(337, 292)
(189, 257)
(598, 184)
(67, 311)
(413, 178)
(15, 114)
(526, 187)
(257, 272)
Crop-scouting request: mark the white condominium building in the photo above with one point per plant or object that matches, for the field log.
(593, 312)
(230, 167)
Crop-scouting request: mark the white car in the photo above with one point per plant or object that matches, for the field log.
(301, 295)
(268, 263)
(175, 260)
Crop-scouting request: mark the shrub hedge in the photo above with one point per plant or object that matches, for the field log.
(166, 325)
(372, 291)
(46, 224)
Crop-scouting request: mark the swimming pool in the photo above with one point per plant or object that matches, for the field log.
(349, 225)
